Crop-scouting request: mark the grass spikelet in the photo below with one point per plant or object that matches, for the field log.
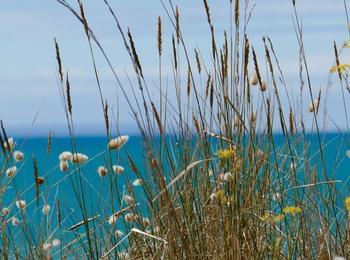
(134, 53)
(68, 96)
(5, 211)
(253, 79)
(159, 36)
(18, 156)
(79, 158)
(198, 61)
(157, 117)
(21, 204)
(39, 180)
(112, 220)
(137, 182)
(256, 66)
(15, 221)
(102, 171)
(9, 144)
(56, 242)
(118, 169)
(49, 142)
(263, 86)
(207, 11)
(128, 199)
(118, 142)
(106, 117)
(174, 52)
(58, 59)
(10, 172)
(64, 166)
(177, 24)
(65, 156)
(36, 178)
(46, 209)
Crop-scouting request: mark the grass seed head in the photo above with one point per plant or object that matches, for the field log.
(79, 158)
(118, 169)
(137, 182)
(254, 79)
(10, 144)
(15, 221)
(118, 142)
(102, 171)
(46, 209)
(18, 156)
(56, 242)
(5, 211)
(21, 204)
(10, 172)
(65, 156)
(64, 166)
(129, 200)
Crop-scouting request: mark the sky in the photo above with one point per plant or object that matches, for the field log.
(28, 74)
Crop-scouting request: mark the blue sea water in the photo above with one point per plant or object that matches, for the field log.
(59, 186)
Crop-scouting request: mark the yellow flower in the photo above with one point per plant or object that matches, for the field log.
(220, 195)
(346, 44)
(291, 210)
(226, 153)
(278, 218)
(340, 68)
(347, 204)
(269, 217)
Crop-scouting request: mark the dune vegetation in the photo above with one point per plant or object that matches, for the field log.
(215, 181)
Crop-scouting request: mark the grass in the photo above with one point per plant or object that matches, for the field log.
(216, 183)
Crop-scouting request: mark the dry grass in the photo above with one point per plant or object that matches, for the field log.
(216, 184)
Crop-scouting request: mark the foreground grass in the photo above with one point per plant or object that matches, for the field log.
(215, 182)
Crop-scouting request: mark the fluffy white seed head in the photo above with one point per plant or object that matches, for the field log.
(118, 233)
(10, 172)
(227, 176)
(137, 182)
(118, 142)
(21, 204)
(79, 158)
(253, 79)
(347, 153)
(15, 221)
(118, 169)
(130, 217)
(212, 196)
(112, 220)
(102, 171)
(146, 222)
(123, 255)
(46, 209)
(293, 166)
(5, 211)
(313, 107)
(128, 199)
(65, 156)
(56, 242)
(9, 144)
(263, 86)
(18, 156)
(64, 166)
(339, 258)
(47, 246)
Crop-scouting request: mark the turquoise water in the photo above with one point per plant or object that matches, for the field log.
(58, 185)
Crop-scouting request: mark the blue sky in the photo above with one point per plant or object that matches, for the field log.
(28, 67)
